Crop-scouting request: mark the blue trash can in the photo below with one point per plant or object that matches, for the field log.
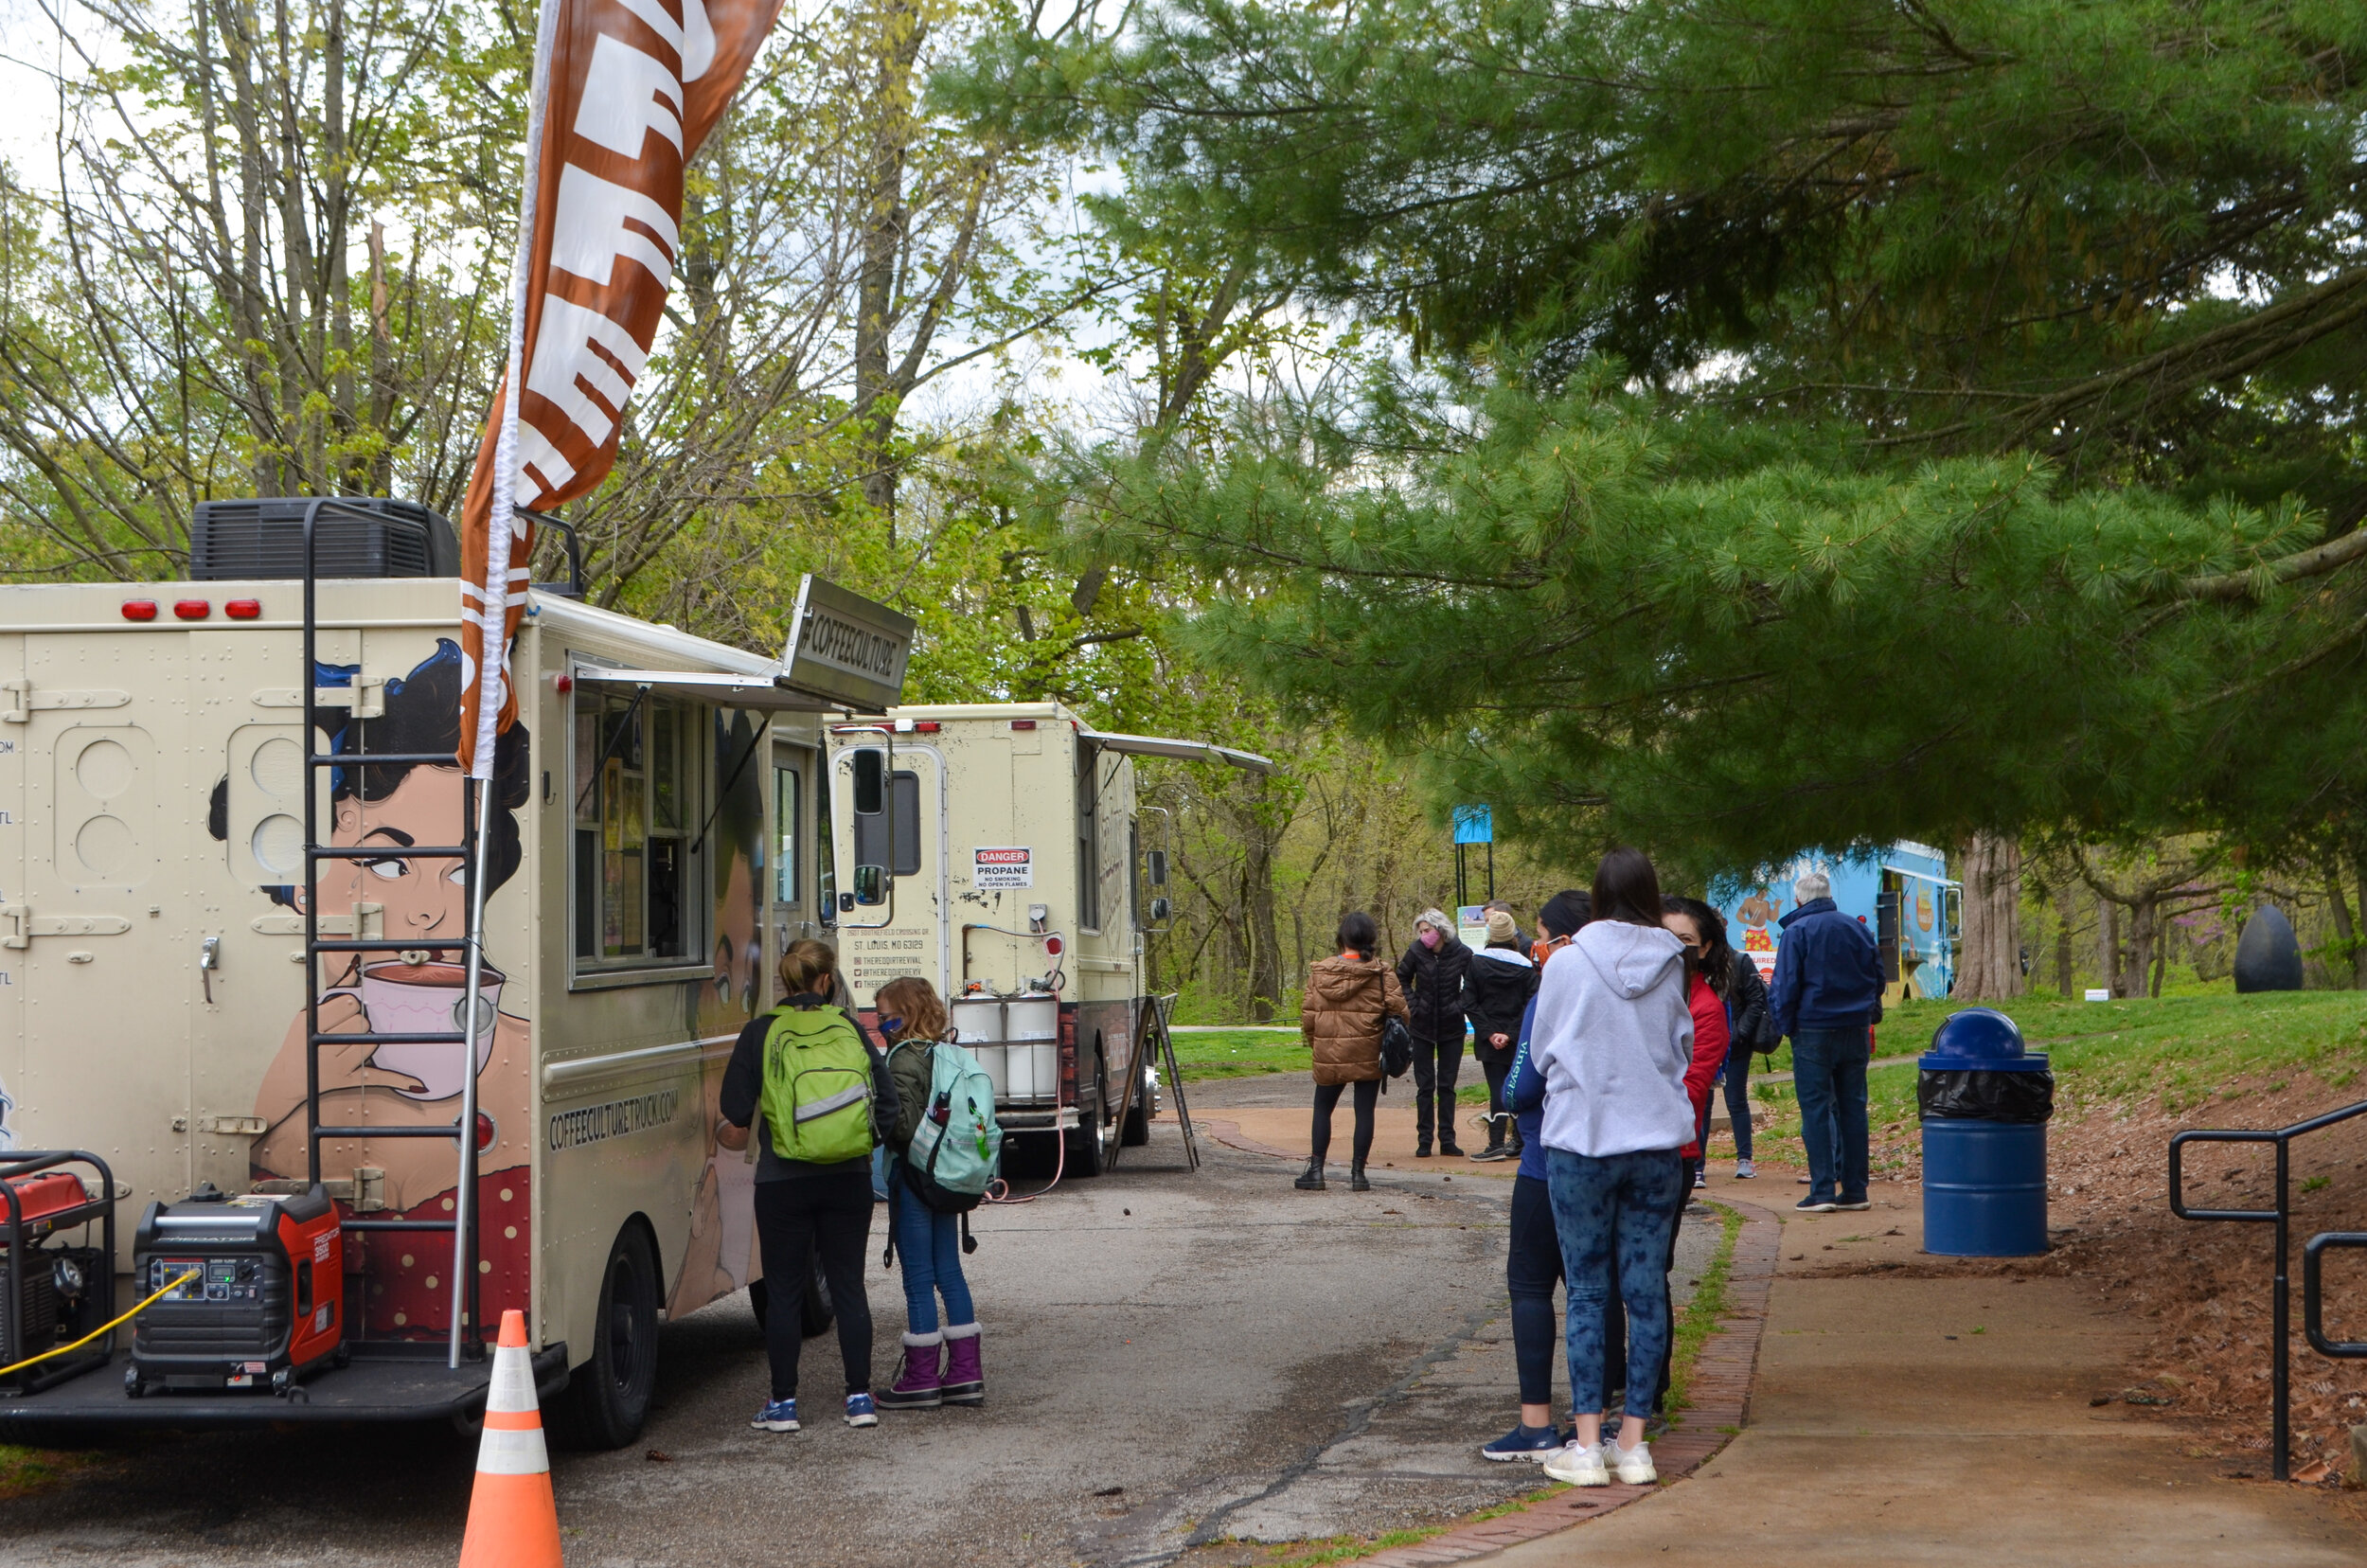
(1985, 1102)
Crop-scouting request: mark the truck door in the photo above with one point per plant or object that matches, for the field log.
(101, 931)
(891, 865)
(12, 807)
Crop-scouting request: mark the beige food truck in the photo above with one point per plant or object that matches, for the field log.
(180, 851)
(998, 850)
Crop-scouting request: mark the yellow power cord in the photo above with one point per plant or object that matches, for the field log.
(103, 1328)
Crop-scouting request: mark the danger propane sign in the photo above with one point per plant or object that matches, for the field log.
(1003, 868)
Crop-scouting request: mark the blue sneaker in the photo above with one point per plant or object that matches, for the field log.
(776, 1415)
(861, 1410)
(1525, 1442)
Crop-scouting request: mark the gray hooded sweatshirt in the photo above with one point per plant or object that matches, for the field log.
(1613, 1038)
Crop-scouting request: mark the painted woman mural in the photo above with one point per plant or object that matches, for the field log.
(418, 990)
(721, 1253)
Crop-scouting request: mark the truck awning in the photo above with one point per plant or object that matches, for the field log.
(1189, 751)
(730, 689)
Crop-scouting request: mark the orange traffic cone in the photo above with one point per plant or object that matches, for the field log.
(514, 1520)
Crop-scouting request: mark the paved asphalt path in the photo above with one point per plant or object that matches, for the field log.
(1172, 1359)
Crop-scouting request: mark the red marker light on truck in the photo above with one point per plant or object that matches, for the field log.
(193, 609)
(139, 610)
(1023, 724)
(243, 609)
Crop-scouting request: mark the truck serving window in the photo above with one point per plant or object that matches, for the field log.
(636, 792)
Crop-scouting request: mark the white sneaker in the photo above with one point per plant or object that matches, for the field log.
(1635, 1463)
(1579, 1465)
(1743, 1171)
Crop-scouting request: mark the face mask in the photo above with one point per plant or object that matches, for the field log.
(1429, 936)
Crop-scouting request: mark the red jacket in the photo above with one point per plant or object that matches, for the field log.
(1709, 1053)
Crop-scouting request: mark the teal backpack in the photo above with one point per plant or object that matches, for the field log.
(817, 1085)
(958, 1147)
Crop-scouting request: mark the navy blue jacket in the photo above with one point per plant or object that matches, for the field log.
(1524, 1091)
(1829, 972)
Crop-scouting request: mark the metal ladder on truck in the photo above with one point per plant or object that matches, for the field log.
(465, 1340)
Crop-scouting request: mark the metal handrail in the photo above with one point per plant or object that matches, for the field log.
(2280, 1298)
(2313, 1305)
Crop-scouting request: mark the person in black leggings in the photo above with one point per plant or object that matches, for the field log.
(1348, 999)
(1327, 1100)
(805, 1210)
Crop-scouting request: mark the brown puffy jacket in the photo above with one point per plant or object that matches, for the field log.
(1347, 999)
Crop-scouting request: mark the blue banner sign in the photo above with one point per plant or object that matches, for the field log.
(1474, 825)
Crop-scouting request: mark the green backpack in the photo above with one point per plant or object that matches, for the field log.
(817, 1085)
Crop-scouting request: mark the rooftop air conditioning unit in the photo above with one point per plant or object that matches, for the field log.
(354, 537)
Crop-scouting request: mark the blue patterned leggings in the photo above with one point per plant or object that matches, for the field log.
(1614, 1216)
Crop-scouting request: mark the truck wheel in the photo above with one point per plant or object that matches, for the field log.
(816, 1312)
(1137, 1131)
(609, 1395)
(1086, 1146)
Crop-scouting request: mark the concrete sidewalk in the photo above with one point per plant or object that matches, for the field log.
(1946, 1420)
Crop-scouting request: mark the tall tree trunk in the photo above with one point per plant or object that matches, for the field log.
(2144, 920)
(2109, 942)
(2339, 906)
(893, 125)
(2066, 916)
(1992, 919)
(2359, 870)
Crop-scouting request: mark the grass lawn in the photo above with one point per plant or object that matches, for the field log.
(1239, 1053)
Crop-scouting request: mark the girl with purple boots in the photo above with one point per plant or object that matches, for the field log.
(929, 1244)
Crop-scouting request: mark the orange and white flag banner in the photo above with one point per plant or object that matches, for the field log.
(625, 91)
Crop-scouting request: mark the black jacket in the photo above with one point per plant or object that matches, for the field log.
(1496, 990)
(743, 1089)
(1747, 1005)
(1432, 979)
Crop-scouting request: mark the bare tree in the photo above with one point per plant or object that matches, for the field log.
(1991, 966)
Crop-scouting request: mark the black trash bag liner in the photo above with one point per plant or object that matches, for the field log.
(1962, 1094)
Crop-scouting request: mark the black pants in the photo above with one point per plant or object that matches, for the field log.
(1436, 1064)
(1327, 1099)
(1615, 1320)
(1500, 1125)
(1531, 1270)
(795, 1220)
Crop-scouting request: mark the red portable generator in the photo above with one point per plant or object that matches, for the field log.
(257, 1296)
(55, 1288)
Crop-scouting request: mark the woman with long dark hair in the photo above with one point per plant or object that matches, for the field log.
(1708, 974)
(1349, 997)
(1613, 1038)
(1739, 986)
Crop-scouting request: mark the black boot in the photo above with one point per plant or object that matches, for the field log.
(1312, 1180)
(1356, 1178)
(1421, 1127)
(1447, 1145)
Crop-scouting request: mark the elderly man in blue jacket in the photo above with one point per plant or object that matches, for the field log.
(1827, 996)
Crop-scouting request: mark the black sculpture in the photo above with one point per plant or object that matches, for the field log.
(2267, 955)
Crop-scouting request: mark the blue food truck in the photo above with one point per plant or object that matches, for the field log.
(1900, 891)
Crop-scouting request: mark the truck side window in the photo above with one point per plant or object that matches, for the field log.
(784, 835)
(871, 826)
(637, 790)
(824, 851)
(1088, 839)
